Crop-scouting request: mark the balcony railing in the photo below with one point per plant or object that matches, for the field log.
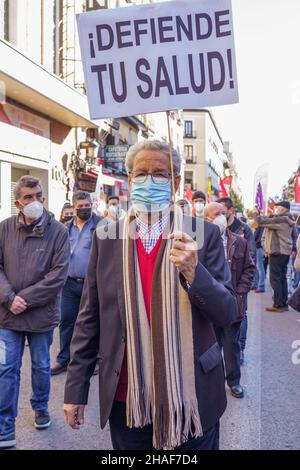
(190, 159)
(190, 135)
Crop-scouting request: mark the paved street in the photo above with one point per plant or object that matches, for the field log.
(267, 418)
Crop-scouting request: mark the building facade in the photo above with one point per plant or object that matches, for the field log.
(203, 151)
(230, 169)
(45, 128)
(42, 117)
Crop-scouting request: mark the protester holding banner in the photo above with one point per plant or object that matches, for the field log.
(150, 284)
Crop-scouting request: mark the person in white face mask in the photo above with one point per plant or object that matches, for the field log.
(242, 273)
(34, 258)
(198, 201)
(114, 211)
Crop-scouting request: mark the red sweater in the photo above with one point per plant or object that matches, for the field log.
(146, 264)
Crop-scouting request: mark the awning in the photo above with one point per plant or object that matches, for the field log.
(106, 179)
(32, 85)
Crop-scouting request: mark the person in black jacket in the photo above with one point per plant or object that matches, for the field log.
(240, 228)
(242, 272)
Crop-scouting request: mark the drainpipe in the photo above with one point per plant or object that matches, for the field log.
(42, 31)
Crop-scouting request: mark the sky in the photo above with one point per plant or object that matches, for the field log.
(265, 126)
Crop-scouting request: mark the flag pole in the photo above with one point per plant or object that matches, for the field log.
(171, 156)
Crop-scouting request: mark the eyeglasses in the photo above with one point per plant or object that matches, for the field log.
(158, 178)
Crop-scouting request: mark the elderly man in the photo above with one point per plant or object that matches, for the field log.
(278, 245)
(240, 228)
(242, 271)
(149, 303)
(34, 258)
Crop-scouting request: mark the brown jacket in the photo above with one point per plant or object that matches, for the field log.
(242, 269)
(33, 265)
(100, 329)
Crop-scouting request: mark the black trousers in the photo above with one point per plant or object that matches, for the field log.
(278, 271)
(124, 438)
(70, 302)
(229, 340)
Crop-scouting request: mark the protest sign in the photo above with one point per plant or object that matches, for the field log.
(158, 57)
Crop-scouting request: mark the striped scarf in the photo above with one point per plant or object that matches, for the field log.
(161, 375)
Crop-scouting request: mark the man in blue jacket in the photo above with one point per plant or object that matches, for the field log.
(81, 229)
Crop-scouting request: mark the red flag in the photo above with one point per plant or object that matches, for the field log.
(271, 207)
(188, 195)
(223, 190)
(208, 198)
(227, 181)
(297, 187)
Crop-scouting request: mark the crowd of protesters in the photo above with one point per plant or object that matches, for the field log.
(159, 313)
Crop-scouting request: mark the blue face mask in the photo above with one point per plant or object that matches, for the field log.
(150, 195)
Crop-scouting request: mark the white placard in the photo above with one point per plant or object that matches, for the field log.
(157, 57)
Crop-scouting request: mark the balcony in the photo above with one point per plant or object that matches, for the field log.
(190, 135)
(190, 160)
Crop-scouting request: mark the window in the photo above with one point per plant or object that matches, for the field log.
(189, 153)
(4, 19)
(189, 180)
(95, 4)
(188, 128)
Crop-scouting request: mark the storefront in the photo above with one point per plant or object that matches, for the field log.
(42, 121)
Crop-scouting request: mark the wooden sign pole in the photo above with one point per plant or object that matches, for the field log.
(171, 157)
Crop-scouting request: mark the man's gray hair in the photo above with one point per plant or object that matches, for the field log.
(152, 145)
(80, 196)
(26, 181)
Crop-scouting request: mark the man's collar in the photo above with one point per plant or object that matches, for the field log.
(36, 227)
(86, 222)
(29, 227)
(145, 227)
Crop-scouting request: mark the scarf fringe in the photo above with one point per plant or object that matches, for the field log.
(138, 409)
(167, 430)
